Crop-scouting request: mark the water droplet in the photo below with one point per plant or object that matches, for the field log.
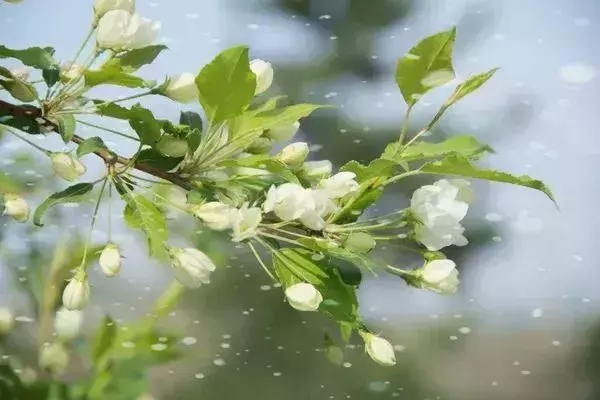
(493, 217)
(577, 73)
(188, 340)
(219, 362)
(158, 347)
(537, 313)
(465, 330)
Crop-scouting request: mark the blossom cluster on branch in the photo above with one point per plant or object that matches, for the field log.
(308, 218)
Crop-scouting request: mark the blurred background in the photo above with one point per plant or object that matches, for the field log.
(526, 321)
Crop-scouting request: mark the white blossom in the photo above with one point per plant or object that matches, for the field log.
(339, 184)
(16, 207)
(439, 276)
(71, 72)
(317, 169)
(283, 133)
(191, 266)
(304, 297)
(244, 222)
(437, 237)
(182, 88)
(68, 323)
(110, 260)
(440, 208)
(316, 209)
(215, 215)
(288, 201)
(77, 293)
(293, 154)
(67, 166)
(101, 7)
(122, 30)
(264, 75)
(380, 350)
(54, 358)
(7, 320)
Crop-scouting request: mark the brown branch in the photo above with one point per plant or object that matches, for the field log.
(34, 114)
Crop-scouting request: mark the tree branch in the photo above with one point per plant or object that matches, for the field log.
(32, 117)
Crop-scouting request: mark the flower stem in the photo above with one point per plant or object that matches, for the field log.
(47, 152)
(404, 128)
(92, 223)
(260, 261)
(282, 239)
(108, 130)
(401, 176)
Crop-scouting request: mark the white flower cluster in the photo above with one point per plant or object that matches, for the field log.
(243, 221)
(440, 208)
(291, 201)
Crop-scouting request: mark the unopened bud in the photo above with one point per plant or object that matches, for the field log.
(293, 154)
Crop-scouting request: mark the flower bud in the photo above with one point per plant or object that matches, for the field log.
(7, 321)
(101, 7)
(110, 260)
(66, 166)
(264, 75)
(339, 185)
(439, 276)
(191, 266)
(77, 292)
(293, 154)
(67, 324)
(303, 297)
(215, 215)
(16, 207)
(70, 72)
(379, 349)
(54, 358)
(182, 88)
(283, 133)
(317, 169)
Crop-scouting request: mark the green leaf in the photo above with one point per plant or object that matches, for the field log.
(172, 146)
(133, 60)
(72, 194)
(104, 339)
(472, 83)
(378, 168)
(226, 85)
(270, 104)
(191, 119)
(155, 159)
(112, 110)
(66, 127)
(90, 145)
(112, 76)
(51, 75)
(146, 126)
(292, 266)
(460, 166)
(36, 57)
(141, 213)
(426, 66)
(194, 138)
(467, 146)
(281, 116)
(19, 89)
